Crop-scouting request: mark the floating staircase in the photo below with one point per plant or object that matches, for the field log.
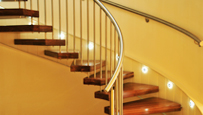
(139, 107)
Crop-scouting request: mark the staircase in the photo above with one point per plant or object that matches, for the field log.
(96, 75)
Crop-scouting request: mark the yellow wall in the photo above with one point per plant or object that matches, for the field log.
(31, 85)
(164, 49)
(167, 51)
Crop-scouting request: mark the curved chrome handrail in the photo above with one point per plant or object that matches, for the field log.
(200, 43)
(120, 61)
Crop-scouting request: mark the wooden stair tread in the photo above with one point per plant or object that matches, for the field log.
(26, 28)
(148, 106)
(18, 12)
(98, 81)
(43, 42)
(84, 67)
(130, 90)
(62, 54)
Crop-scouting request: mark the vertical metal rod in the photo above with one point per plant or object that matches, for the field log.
(67, 25)
(112, 102)
(31, 9)
(52, 10)
(115, 58)
(121, 109)
(45, 17)
(74, 25)
(19, 4)
(119, 93)
(100, 43)
(81, 58)
(38, 10)
(88, 42)
(120, 85)
(59, 23)
(111, 49)
(116, 89)
(24, 4)
(30, 4)
(94, 39)
(106, 48)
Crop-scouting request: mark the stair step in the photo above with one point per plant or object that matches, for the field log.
(82, 66)
(26, 28)
(148, 106)
(42, 42)
(98, 81)
(18, 13)
(130, 90)
(62, 54)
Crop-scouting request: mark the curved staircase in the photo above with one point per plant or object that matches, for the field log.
(130, 89)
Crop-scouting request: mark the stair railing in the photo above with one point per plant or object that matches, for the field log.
(148, 16)
(118, 69)
(92, 31)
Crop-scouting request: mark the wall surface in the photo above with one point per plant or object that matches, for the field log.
(164, 49)
(167, 51)
(31, 85)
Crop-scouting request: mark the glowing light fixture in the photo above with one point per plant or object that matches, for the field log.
(117, 57)
(1, 6)
(62, 35)
(170, 85)
(34, 22)
(145, 69)
(91, 45)
(192, 104)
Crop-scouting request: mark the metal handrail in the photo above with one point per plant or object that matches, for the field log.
(120, 60)
(199, 42)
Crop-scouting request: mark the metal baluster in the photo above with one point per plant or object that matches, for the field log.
(81, 54)
(101, 44)
(106, 48)
(52, 7)
(88, 42)
(19, 4)
(67, 25)
(59, 23)
(74, 25)
(38, 10)
(24, 4)
(112, 101)
(121, 96)
(94, 39)
(120, 86)
(31, 9)
(45, 17)
(116, 83)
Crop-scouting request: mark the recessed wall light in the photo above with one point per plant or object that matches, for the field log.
(145, 69)
(170, 85)
(91, 45)
(117, 57)
(192, 104)
(62, 35)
